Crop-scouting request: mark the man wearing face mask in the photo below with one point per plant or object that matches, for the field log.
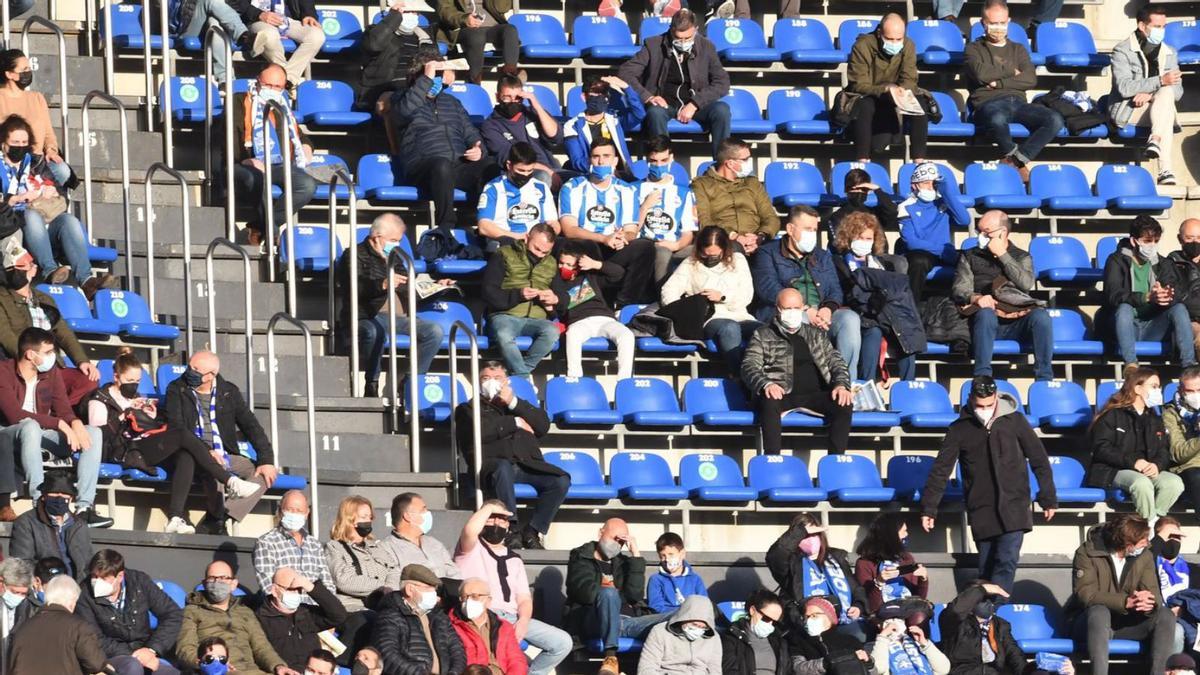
(858, 187)
(1181, 419)
(974, 638)
(1116, 593)
(730, 196)
(516, 200)
(413, 545)
(685, 644)
(16, 580)
(520, 118)
(516, 291)
(48, 530)
(1187, 267)
(388, 49)
(411, 636)
(292, 625)
(1174, 580)
(487, 639)
(289, 545)
(883, 64)
(610, 107)
(924, 220)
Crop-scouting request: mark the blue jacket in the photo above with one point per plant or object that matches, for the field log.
(663, 592)
(925, 226)
(773, 271)
(625, 113)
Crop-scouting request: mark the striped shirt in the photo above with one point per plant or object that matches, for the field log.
(603, 212)
(516, 209)
(672, 213)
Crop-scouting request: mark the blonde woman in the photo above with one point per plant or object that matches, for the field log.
(360, 563)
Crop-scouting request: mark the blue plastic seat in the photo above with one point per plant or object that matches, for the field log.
(908, 475)
(187, 99)
(806, 41)
(998, 186)
(644, 476)
(1033, 629)
(1062, 261)
(731, 610)
(783, 479)
(166, 374)
(791, 183)
(799, 112)
(837, 178)
(173, 591)
(1066, 44)
(145, 385)
(474, 98)
(1104, 391)
(1071, 334)
(1128, 188)
(1105, 247)
(714, 478)
(923, 404)
(745, 115)
(653, 345)
(73, 306)
(579, 401)
(1062, 188)
(938, 43)
(328, 103)
(603, 38)
(342, 30)
(546, 96)
(433, 397)
(649, 401)
(376, 177)
(343, 192)
(132, 315)
(543, 37)
(1059, 404)
(126, 20)
(624, 645)
(445, 314)
(653, 26)
(1070, 481)
(312, 248)
(454, 267)
(952, 125)
(740, 41)
(850, 29)
(587, 479)
(717, 402)
(1017, 34)
(852, 479)
(1184, 38)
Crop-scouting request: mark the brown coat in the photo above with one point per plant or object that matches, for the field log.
(739, 206)
(1095, 581)
(55, 641)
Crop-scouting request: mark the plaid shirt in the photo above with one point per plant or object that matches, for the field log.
(277, 549)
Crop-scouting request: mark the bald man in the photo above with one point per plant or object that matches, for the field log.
(790, 364)
(289, 544)
(1187, 265)
(883, 66)
(487, 639)
(293, 625)
(213, 408)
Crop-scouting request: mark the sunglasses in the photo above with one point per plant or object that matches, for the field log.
(984, 389)
(769, 620)
(210, 659)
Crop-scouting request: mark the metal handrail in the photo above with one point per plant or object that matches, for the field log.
(215, 31)
(343, 176)
(87, 175)
(106, 10)
(309, 390)
(476, 432)
(6, 20)
(62, 70)
(165, 103)
(147, 68)
(285, 155)
(414, 432)
(187, 243)
(248, 285)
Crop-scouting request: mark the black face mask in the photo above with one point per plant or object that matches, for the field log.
(519, 179)
(16, 279)
(16, 153)
(856, 199)
(493, 534)
(363, 529)
(509, 110)
(192, 378)
(985, 609)
(1191, 250)
(1169, 548)
(129, 389)
(25, 79)
(56, 506)
(595, 104)
(360, 668)
(711, 261)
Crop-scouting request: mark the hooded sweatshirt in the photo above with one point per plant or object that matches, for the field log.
(925, 226)
(665, 593)
(668, 651)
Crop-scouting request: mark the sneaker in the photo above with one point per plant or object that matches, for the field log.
(371, 389)
(93, 285)
(178, 525)
(609, 7)
(212, 526)
(60, 274)
(1022, 169)
(531, 539)
(239, 488)
(725, 10)
(1152, 150)
(610, 666)
(1166, 178)
(667, 8)
(93, 519)
(514, 541)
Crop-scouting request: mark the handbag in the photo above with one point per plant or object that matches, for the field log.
(688, 315)
(844, 109)
(930, 105)
(137, 424)
(50, 207)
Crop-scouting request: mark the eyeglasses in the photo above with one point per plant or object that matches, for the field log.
(212, 579)
(480, 597)
(210, 659)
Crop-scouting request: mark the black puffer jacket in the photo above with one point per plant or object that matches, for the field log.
(769, 358)
(401, 641)
(123, 631)
(962, 639)
(1188, 278)
(737, 656)
(1120, 437)
(437, 127)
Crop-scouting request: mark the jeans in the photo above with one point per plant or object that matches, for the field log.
(878, 123)
(269, 43)
(248, 182)
(127, 665)
(730, 336)
(714, 118)
(947, 8)
(555, 644)
(606, 622)
(503, 331)
(64, 234)
(473, 40)
(1174, 322)
(998, 558)
(1034, 327)
(1191, 481)
(845, 332)
(1045, 12)
(61, 172)
(1152, 497)
(872, 340)
(606, 327)
(1097, 625)
(439, 177)
(551, 491)
(27, 438)
(992, 117)
(770, 419)
(228, 18)
(372, 341)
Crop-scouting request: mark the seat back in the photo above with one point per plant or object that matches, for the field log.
(850, 29)
(1064, 37)
(582, 467)
(629, 469)
(188, 96)
(789, 177)
(1029, 622)
(1057, 251)
(1104, 391)
(312, 247)
(645, 394)
(935, 35)
(433, 390)
(807, 34)
(546, 96)
(122, 307)
(1105, 247)
(71, 302)
(742, 105)
(523, 389)
(574, 393)
(445, 314)
(1067, 324)
(837, 178)
(1016, 33)
(375, 171)
(474, 98)
(339, 24)
(1057, 397)
(653, 26)
(951, 111)
(1183, 35)
(538, 29)
(600, 31)
(1058, 180)
(732, 610)
(920, 396)
(795, 105)
(713, 394)
(709, 470)
(774, 471)
(735, 34)
(125, 19)
(313, 96)
(1123, 180)
(835, 472)
(1068, 471)
(907, 473)
(982, 179)
(173, 591)
(168, 373)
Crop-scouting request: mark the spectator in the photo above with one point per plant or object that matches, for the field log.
(818, 647)
(994, 280)
(1110, 601)
(925, 219)
(883, 64)
(520, 118)
(583, 309)
(605, 590)
(360, 564)
(1180, 664)
(18, 99)
(1180, 419)
(36, 196)
(795, 261)
(374, 261)
(974, 638)
(1143, 293)
(119, 605)
(510, 429)
(790, 364)
(269, 22)
(730, 195)
(289, 545)
(44, 570)
(999, 72)
(412, 637)
(16, 580)
(55, 640)
(251, 153)
(516, 291)
(118, 409)
(517, 199)
(1187, 269)
(190, 19)
(483, 552)
(685, 644)
(885, 568)
(1174, 575)
(321, 662)
(610, 108)
(876, 297)
(1147, 83)
(487, 639)
(675, 580)
(1130, 450)
(212, 656)
(201, 387)
(901, 646)
(215, 612)
(292, 625)
(804, 565)
(666, 211)
(679, 77)
(995, 448)
(472, 24)
(719, 273)
(754, 644)
(368, 662)
(1045, 12)
(858, 187)
(599, 208)
(33, 401)
(388, 49)
(412, 545)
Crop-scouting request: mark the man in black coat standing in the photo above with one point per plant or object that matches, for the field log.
(509, 431)
(992, 441)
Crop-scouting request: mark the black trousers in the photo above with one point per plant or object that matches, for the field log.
(637, 257)
(439, 177)
(837, 418)
(877, 124)
(919, 264)
(473, 40)
(183, 451)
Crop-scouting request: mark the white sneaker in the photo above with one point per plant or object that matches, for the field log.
(239, 488)
(726, 9)
(178, 525)
(1166, 178)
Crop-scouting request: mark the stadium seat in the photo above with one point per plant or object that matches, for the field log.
(1129, 188)
(445, 314)
(73, 306)
(939, 43)
(1071, 334)
(1066, 44)
(187, 99)
(342, 30)
(791, 183)
(952, 124)
(173, 591)
(1062, 188)
(546, 96)
(717, 402)
(837, 178)
(653, 26)
(1104, 391)
(524, 390)
(145, 386)
(714, 478)
(1062, 261)
(807, 42)
(579, 401)
(1184, 38)
(474, 98)
(852, 479)
(1017, 34)
(746, 117)
(127, 27)
(740, 41)
(166, 374)
(376, 177)
(850, 29)
(324, 159)
(997, 186)
(732, 610)
(1059, 404)
(543, 37)
(624, 645)
(1033, 629)
(678, 172)
(904, 184)
(312, 248)
(606, 38)
(433, 397)
(798, 112)
(909, 474)
(1003, 386)
(1070, 482)
(1105, 247)
(653, 345)
(587, 480)
(783, 479)
(649, 401)
(644, 476)
(132, 315)
(923, 404)
(328, 103)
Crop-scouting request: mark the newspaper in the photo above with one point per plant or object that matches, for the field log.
(906, 102)
(427, 287)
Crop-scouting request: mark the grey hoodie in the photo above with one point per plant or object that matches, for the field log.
(667, 650)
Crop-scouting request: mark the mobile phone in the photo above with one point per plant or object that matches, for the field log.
(907, 569)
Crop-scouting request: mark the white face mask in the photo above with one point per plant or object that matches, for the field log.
(672, 564)
(473, 609)
(408, 22)
(792, 319)
(1154, 397)
(102, 588)
(983, 241)
(427, 601)
(807, 241)
(693, 633)
(927, 194)
(984, 415)
(1192, 400)
(816, 625)
(271, 95)
(762, 629)
(862, 247)
(746, 168)
(1148, 251)
(291, 521)
(1135, 552)
(290, 600)
(490, 388)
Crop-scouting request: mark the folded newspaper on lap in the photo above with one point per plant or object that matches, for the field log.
(455, 64)
(427, 287)
(906, 102)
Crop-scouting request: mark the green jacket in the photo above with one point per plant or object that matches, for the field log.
(871, 71)
(521, 273)
(249, 650)
(1095, 580)
(14, 318)
(739, 206)
(1185, 449)
(452, 15)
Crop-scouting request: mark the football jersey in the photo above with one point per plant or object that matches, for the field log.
(516, 209)
(672, 213)
(603, 212)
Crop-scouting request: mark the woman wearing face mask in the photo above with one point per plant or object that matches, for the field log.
(718, 273)
(1129, 445)
(138, 438)
(16, 98)
(818, 648)
(359, 563)
(902, 648)
(859, 186)
(885, 568)
(610, 107)
(754, 644)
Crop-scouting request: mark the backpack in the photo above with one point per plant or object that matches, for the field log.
(439, 244)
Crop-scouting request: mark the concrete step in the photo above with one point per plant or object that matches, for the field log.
(145, 148)
(84, 73)
(231, 337)
(100, 117)
(107, 188)
(227, 266)
(330, 373)
(334, 415)
(206, 222)
(352, 451)
(44, 43)
(268, 298)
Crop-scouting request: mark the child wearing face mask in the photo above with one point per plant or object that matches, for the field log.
(675, 580)
(925, 219)
(902, 647)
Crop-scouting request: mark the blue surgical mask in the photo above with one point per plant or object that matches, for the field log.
(602, 173)
(893, 48)
(389, 247)
(426, 522)
(292, 521)
(1156, 35)
(46, 364)
(927, 194)
(11, 600)
(436, 87)
(655, 172)
(214, 668)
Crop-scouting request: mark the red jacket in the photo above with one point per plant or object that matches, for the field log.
(52, 402)
(866, 572)
(508, 653)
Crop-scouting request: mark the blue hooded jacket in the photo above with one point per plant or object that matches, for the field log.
(925, 226)
(664, 593)
(625, 113)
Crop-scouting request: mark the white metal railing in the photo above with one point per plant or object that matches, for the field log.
(63, 108)
(187, 244)
(476, 433)
(165, 102)
(248, 301)
(284, 118)
(311, 406)
(86, 142)
(214, 32)
(342, 176)
(410, 270)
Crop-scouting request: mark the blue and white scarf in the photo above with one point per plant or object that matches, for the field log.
(218, 445)
(896, 589)
(830, 581)
(257, 104)
(1189, 417)
(905, 658)
(16, 180)
(1172, 576)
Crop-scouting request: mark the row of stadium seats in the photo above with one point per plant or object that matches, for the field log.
(117, 313)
